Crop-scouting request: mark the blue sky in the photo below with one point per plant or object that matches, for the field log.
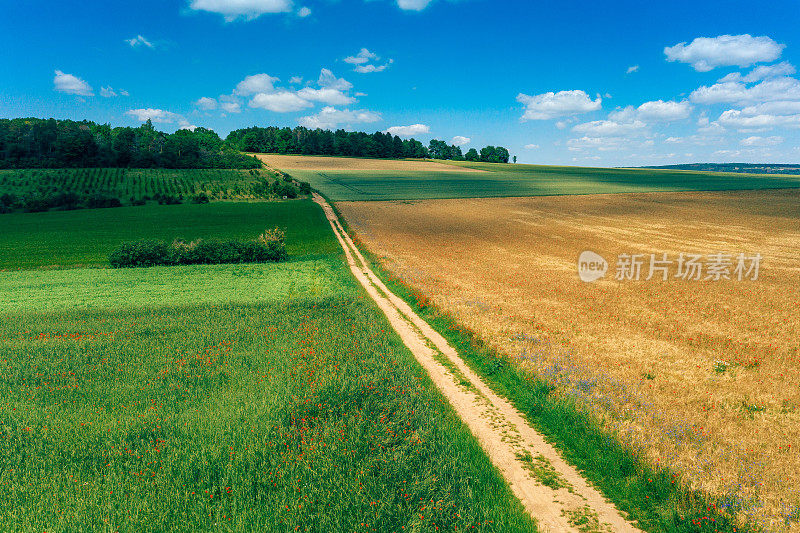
(576, 82)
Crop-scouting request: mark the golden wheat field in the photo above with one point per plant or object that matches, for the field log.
(329, 164)
(701, 376)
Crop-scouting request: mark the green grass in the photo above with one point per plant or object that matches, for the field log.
(501, 180)
(227, 398)
(137, 183)
(64, 239)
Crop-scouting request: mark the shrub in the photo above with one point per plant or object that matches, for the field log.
(101, 201)
(201, 198)
(140, 254)
(269, 247)
(305, 187)
(36, 204)
(284, 189)
(138, 202)
(168, 199)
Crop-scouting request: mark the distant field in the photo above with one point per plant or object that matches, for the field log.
(61, 239)
(701, 376)
(324, 164)
(219, 398)
(359, 180)
(137, 183)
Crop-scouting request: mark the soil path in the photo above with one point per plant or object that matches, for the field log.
(551, 490)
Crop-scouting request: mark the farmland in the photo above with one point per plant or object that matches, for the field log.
(700, 377)
(61, 239)
(359, 179)
(138, 183)
(226, 398)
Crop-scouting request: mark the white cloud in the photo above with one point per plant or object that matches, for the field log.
(331, 118)
(327, 79)
(460, 140)
(231, 107)
(409, 131)
(325, 95)
(553, 105)
(364, 62)
(139, 41)
(735, 118)
(206, 104)
(655, 111)
(606, 128)
(632, 69)
(282, 101)
(761, 141)
(108, 92)
(363, 56)
(531, 146)
(366, 69)
(248, 9)
(604, 144)
(303, 12)
(257, 83)
(413, 5)
(161, 116)
(295, 80)
(707, 53)
(737, 92)
(773, 108)
(69, 84)
(763, 72)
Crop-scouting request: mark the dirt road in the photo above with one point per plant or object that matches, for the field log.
(551, 490)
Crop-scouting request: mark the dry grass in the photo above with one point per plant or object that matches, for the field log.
(327, 164)
(703, 377)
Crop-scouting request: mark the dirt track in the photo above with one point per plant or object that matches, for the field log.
(506, 436)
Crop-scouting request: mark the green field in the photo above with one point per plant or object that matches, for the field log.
(59, 239)
(138, 183)
(268, 397)
(501, 180)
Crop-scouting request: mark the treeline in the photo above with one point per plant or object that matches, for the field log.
(51, 143)
(305, 141)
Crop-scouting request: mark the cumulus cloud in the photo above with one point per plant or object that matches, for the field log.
(761, 141)
(139, 41)
(282, 101)
(604, 144)
(303, 12)
(70, 84)
(325, 95)
(109, 92)
(331, 118)
(632, 69)
(460, 140)
(365, 62)
(257, 83)
(413, 5)
(206, 104)
(654, 111)
(707, 53)
(606, 128)
(409, 131)
(773, 89)
(248, 9)
(551, 105)
(328, 80)
(230, 104)
(531, 146)
(735, 118)
(161, 116)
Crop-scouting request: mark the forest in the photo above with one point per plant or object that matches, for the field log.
(305, 141)
(51, 143)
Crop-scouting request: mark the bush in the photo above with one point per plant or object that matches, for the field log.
(140, 254)
(269, 247)
(201, 198)
(36, 204)
(100, 201)
(168, 199)
(305, 187)
(284, 189)
(138, 202)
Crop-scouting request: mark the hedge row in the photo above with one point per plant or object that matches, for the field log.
(269, 247)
